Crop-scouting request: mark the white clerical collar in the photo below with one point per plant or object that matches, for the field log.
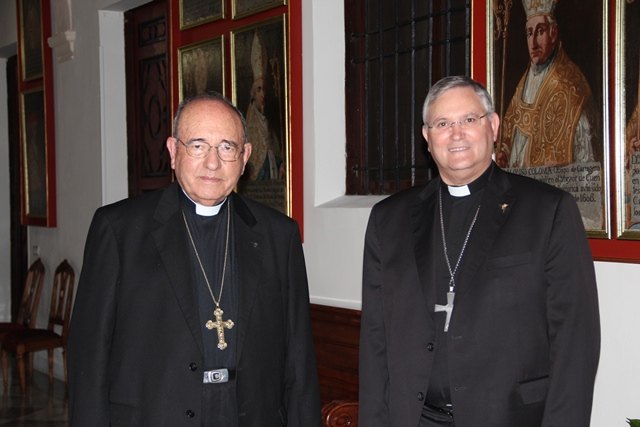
(203, 210)
(459, 190)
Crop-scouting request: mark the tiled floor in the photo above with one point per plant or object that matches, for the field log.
(41, 406)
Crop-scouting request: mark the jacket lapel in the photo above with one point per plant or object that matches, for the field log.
(171, 243)
(250, 255)
(494, 211)
(422, 219)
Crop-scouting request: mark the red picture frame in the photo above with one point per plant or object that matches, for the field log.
(37, 131)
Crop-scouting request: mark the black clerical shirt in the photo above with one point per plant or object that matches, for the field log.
(209, 234)
(219, 403)
(458, 214)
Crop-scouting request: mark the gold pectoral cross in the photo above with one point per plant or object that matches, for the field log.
(220, 325)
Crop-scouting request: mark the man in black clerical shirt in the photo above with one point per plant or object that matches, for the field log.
(479, 303)
(192, 306)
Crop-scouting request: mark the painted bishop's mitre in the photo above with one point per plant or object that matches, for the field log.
(257, 58)
(539, 7)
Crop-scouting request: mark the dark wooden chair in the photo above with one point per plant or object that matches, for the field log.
(25, 342)
(28, 310)
(340, 413)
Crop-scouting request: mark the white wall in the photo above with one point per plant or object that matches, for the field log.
(90, 168)
(618, 382)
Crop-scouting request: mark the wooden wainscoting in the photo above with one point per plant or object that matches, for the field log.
(336, 335)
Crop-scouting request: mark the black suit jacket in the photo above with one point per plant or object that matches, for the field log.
(524, 338)
(135, 344)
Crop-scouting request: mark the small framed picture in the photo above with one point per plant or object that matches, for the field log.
(30, 17)
(241, 8)
(36, 166)
(201, 68)
(196, 12)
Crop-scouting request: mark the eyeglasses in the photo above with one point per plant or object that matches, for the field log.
(470, 121)
(227, 151)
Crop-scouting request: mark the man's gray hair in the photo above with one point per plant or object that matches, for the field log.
(452, 82)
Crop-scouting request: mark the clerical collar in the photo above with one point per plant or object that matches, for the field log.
(472, 187)
(459, 190)
(203, 210)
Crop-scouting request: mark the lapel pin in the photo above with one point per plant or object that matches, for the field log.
(504, 207)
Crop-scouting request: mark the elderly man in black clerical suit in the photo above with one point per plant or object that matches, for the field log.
(479, 303)
(193, 306)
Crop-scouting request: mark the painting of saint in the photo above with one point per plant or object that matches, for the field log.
(260, 91)
(550, 98)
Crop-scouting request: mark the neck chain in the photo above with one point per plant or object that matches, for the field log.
(452, 273)
(219, 324)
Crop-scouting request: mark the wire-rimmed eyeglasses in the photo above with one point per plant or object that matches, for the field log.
(228, 151)
(470, 121)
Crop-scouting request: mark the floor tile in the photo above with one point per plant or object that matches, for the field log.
(41, 406)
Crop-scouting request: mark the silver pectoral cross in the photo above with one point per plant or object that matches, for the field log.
(220, 325)
(447, 308)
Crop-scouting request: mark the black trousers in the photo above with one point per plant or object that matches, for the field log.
(436, 417)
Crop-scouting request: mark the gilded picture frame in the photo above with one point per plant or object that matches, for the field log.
(553, 101)
(36, 155)
(201, 68)
(260, 84)
(242, 8)
(31, 50)
(198, 12)
(627, 119)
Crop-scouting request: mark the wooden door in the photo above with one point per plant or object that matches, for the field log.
(148, 97)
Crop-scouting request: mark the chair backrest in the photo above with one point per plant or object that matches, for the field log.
(62, 297)
(340, 413)
(28, 310)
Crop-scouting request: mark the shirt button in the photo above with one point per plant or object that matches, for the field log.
(193, 366)
(430, 346)
(190, 413)
(420, 396)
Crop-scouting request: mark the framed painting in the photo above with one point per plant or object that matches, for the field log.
(260, 90)
(36, 166)
(201, 68)
(552, 98)
(628, 119)
(30, 17)
(196, 12)
(241, 8)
